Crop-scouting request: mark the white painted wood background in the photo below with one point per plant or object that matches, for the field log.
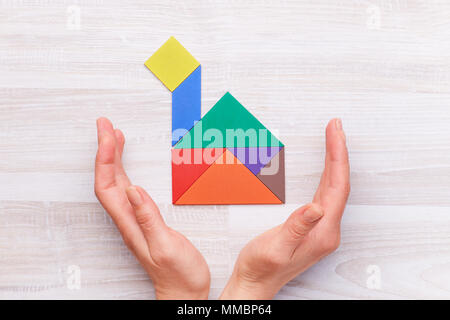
(382, 66)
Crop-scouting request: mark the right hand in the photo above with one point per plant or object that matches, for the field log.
(272, 259)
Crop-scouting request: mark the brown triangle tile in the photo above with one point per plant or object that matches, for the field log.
(273, 176)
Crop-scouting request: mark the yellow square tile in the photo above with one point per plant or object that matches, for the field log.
(172, 63)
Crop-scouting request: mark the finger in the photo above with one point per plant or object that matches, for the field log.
(121, 175)
(120, 139)
(105, 160)
(334, 186)
(103, 124)
(299, 224)
(337, 155)
(147, 215)
(113, 199)
(115, 203)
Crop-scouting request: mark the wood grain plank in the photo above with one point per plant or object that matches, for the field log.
(380, 65)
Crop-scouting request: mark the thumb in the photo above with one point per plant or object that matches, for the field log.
(147, 213)
(300, 223)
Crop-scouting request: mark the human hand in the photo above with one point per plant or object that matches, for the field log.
(310, 233)
(176, 267)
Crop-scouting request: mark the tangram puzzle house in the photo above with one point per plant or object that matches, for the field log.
(226, 157)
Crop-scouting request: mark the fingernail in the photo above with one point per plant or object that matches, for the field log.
(134, 196)
(313, 214)
(338, 123)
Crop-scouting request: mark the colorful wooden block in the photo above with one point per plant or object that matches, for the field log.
(273, 176)
(255, 158)
(228, 181)
(172, 63)
(235, 127)
(226, 157)
(186, 105)
(188, 165)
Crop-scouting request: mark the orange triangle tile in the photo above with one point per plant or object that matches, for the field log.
(228, 181)
(188, 165)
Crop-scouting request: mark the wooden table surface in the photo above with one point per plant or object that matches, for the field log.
(382, 66)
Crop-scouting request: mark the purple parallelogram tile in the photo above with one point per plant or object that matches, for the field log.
(255, 158)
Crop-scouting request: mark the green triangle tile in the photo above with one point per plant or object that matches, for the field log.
(228, 113)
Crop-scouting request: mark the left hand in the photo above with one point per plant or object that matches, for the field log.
(176, 267)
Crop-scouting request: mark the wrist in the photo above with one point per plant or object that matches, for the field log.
(241, 289)
(177, 290)
(181, 295)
